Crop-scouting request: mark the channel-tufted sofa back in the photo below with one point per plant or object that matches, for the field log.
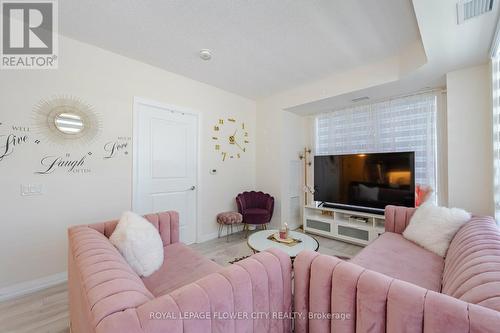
(472, 264)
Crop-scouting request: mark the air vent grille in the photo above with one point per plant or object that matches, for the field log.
(467, 9)
(359, 99)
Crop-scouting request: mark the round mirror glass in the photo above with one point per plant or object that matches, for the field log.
(69, 123)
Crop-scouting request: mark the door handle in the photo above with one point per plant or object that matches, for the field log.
(192, 188)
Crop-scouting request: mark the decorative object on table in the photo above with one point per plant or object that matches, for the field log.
(422, 194)
(288, 241)
(230, 138)
(283, 234)
(256, 208)
(266, 239)
(307, 163)
(228, 219)
(66, 120)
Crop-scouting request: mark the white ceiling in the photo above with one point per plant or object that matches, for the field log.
(260, 47)
(448, 47)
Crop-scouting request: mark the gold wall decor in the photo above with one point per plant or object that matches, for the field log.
(66, 120)
(230, 138)
(305, 157)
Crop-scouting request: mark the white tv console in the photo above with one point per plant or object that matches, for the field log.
(346, 225)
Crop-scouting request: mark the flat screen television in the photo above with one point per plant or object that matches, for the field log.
(365, 182)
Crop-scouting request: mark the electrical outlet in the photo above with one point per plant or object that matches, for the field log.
(31, 189)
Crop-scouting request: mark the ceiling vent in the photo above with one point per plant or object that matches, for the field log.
(467, 9)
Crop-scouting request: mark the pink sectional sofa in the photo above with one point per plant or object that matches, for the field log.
(189, 293)
(396, 286)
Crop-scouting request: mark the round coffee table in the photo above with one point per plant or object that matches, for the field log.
(259, 241)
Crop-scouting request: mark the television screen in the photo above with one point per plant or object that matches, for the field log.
(370, 181)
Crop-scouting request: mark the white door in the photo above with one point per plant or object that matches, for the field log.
(165, 164)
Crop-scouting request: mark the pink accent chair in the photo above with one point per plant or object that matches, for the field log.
(394, 285)
(106, 295)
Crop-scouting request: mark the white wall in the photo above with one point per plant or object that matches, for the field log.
(269, 149)
(294, 140)
(33, 229)
(470, 145)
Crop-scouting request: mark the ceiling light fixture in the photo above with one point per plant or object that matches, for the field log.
(205, 54)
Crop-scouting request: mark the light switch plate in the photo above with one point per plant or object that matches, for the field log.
(31, 189)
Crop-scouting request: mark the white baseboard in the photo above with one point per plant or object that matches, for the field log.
(28, 287)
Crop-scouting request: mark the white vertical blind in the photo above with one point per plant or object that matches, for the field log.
(496, 131)
(396, 125)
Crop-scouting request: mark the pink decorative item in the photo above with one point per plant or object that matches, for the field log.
(283, 234)
(422, 193)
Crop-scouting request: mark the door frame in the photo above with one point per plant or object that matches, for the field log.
(144, 101)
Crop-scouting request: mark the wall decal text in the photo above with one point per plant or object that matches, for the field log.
(72, 165)
(114, 148)
(8, 143)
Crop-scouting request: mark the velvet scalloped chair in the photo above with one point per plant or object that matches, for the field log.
(256, 207)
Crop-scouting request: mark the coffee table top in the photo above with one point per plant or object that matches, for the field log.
(258, 242)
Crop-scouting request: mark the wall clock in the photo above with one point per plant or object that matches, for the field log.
(230, 138)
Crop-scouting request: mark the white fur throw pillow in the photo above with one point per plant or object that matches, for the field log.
(139, 242)
(434, 227)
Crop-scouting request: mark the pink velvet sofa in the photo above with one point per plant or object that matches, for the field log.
(395, 286)
(189, 293)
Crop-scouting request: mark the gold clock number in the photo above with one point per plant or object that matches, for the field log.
(217, 147)
(242, 125)
(216, 128)
(224, 156)
(221, 121)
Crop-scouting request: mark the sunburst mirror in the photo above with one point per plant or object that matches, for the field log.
(66, 119)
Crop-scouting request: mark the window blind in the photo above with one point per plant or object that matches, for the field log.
(396, 125)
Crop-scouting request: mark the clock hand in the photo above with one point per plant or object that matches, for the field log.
(236, 143)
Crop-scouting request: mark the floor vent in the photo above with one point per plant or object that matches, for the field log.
(467, 9)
